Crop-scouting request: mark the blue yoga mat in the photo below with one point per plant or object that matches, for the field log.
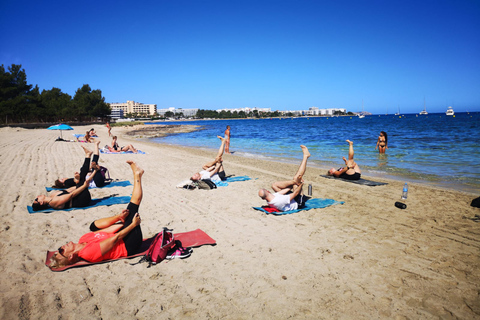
(232, 179)
(108, 185)
(316, 203)
(108, 201)
(122, 152)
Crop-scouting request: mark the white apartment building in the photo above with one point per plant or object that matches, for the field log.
(185, 112)
(135, 107)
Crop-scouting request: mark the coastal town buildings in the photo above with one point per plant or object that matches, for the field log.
(135, 107)
(119, 110)
(186, 112)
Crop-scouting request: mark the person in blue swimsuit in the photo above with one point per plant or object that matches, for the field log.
(351, 171)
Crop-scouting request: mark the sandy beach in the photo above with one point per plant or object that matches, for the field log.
(364, 259)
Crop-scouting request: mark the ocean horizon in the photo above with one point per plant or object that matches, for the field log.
(434, 149)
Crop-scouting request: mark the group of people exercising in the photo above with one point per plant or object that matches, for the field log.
(120, 235)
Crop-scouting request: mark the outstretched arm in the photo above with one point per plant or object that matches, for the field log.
(107, 244)
(339, 173)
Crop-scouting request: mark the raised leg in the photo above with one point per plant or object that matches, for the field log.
(96, 152)
(219, 155)
(298, 178)
(283, 185)
(350, 150)
(137, 193)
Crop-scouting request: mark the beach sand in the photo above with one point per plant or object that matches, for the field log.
(365, 259)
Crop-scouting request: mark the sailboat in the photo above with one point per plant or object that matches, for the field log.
(398, 113)
(424, 111)
(361, 115)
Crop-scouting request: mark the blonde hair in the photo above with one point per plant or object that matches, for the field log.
(59, 261)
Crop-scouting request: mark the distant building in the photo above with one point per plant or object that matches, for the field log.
(135, 107)
(186, 112)
(116, 114)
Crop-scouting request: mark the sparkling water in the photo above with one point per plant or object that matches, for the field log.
(437, 149)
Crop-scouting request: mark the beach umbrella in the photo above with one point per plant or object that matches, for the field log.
(60, 126)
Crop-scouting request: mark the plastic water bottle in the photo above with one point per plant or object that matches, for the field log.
(405, 191)
(310, 190)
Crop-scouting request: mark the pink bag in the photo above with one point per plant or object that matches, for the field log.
(159, 248)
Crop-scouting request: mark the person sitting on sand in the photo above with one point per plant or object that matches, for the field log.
(213, 170)
(288, 194)
(77, 196)
(93, 133)
(98, 178)
(351, 171)
(108, 239)
(88, 137)
(116, 148)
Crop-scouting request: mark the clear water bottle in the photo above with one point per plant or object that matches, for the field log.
(405, 191)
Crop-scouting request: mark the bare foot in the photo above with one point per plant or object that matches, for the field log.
(349, 142)
(221, 138)
(135, 168)
(305, 151)
(88, 153)
(97, 143)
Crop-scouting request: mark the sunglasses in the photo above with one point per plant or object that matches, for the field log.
(61, 251)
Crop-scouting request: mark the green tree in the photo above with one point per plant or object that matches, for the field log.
(14, 94)
(89, 104)
(55, 105)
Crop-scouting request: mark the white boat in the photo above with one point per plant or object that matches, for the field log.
(424, 111)
(398, 113)
(361, 115)
(450, 111)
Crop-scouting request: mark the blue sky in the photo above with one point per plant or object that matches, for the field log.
(282, 55)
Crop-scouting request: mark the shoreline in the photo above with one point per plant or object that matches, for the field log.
(361, 259)
(145, 132)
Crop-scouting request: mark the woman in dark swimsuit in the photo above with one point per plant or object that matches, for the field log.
(116, 148)
(351, 171)
(98, 178)
(382, 142)
(77, 196)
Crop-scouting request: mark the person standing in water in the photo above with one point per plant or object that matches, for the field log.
(382, 142)
(227, 140)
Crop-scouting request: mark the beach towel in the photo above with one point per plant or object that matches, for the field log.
(232, 179)
(107, 185)
(316, 203)
(194, 238)
(361, 181)
(121, 152)
(107, 201)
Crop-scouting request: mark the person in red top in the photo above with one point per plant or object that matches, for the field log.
(108, 239)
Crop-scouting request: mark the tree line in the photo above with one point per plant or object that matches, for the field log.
(20, 102)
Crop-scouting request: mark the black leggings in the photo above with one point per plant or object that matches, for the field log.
(355, 176)
(98, 177)
(133, 240)
(83, 198)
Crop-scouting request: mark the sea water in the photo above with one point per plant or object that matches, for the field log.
(436, 149)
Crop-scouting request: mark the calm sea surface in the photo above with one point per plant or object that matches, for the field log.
(433, 149)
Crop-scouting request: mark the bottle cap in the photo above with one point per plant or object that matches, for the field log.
(400, 205)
